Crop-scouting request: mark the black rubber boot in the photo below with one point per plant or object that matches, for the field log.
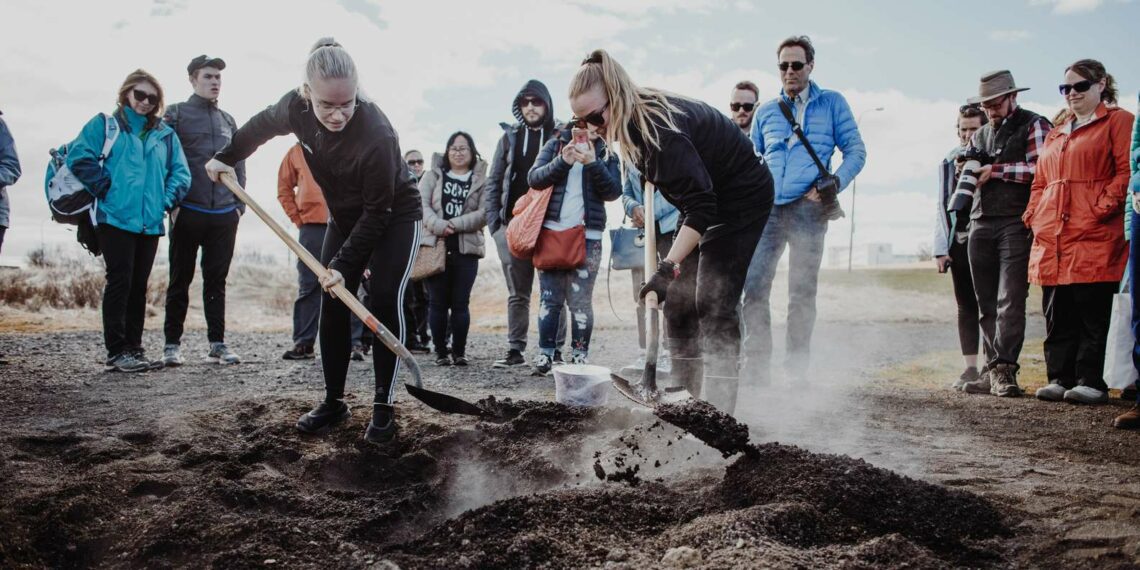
(687, 367)
(722, 380)
(382, 428)
(324, 416)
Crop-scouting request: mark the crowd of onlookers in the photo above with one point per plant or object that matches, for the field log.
(1022, 199)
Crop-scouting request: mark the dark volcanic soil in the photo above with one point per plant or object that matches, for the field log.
(201, 466)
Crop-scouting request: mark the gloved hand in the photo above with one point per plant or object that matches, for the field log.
(659, 282)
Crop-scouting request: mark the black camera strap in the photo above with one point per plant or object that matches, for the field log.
(784, 108)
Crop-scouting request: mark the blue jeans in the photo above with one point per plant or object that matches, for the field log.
(801, 226)
(575, 288)
(449, 298)
(1133, 262)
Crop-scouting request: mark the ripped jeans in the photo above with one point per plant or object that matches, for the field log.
(575, 288)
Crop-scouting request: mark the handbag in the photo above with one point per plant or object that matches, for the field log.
(1119, 370)
(627, 248)
(560, 249)
(430, 260)
(526, 225)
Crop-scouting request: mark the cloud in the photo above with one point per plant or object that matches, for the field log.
(1010, 35)
(1073, 6)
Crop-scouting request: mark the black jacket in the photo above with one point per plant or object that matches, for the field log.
(360, 170)
(204, 129)
(601, 179)
(499, 180)
(707, 168)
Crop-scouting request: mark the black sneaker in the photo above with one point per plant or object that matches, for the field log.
(441, 359)
(299, 352)
(126, 362)
(415, 347)
(542, 365)
(140, 353)
(459, 360)
(514, 358)
(382, 428)
(358, 352)
(324, 416)
(557, 358)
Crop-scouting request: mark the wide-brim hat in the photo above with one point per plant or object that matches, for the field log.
(205, 61)
(995, 84)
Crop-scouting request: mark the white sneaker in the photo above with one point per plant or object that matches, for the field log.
(222, 354)
(1053, 393)
(1086, 395)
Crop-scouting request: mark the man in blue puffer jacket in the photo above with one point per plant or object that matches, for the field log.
(798, 219)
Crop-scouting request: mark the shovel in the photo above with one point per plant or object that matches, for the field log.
(644, 390)
(441, 402)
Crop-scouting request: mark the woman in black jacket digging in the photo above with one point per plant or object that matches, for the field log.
(705, 166)
(354, 155)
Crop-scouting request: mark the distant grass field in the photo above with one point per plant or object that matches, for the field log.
(914, 279)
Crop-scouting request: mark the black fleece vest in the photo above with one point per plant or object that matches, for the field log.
(1009, 144)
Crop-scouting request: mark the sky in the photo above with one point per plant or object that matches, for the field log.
(436, 66)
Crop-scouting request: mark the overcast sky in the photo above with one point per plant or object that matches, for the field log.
(438, 66)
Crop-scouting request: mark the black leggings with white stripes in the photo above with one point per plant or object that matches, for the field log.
(390, 266)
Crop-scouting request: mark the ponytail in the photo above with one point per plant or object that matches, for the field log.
(327, 60)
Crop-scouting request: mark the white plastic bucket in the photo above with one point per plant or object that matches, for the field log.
(582, 385)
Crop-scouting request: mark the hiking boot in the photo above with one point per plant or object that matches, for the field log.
(299, 352)
(969, 375)
(981, 385)
(514, 358)
(126, 362)
(358, 352)
(382, 427)
(1054, 392)
(1003, 381)
(578, 358)
(441, 359)
(324, 416)
(459, 360)
(416, 347)
(222, 354)
(542, 364)
(1086, 395)
(1129, 419)
(172, 355)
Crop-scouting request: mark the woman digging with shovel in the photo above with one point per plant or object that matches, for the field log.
(701, 163)
(354, 155)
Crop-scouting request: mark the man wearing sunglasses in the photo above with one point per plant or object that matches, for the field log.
(805, 202)
(743, 104)
(207, 218)
(507, 182)
(999, 242)
(415, 296)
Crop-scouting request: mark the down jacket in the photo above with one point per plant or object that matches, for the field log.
(1077, 202)
(469, 224)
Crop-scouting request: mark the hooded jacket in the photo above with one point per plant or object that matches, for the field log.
(9, 169)
(203, 129)
(141, 178)
(502, 165)
(601, 179)
(360, 169)
(1077, 201)
(469, 224)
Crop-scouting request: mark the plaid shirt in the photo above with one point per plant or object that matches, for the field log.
(1022, 172)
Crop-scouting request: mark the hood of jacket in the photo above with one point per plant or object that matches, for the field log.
(535, 88)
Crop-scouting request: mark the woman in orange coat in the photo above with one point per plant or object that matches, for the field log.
(1076, 211)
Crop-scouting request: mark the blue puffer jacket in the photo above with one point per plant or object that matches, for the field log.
(140, 180)
(828, 123)
(601, 179)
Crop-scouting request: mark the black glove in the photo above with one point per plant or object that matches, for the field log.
(659, 282)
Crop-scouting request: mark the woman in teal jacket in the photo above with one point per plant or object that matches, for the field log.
(1131, 418)
(143, 176)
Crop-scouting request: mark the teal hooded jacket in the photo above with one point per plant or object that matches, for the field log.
(144, 176)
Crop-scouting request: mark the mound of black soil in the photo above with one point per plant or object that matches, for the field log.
(708, 424)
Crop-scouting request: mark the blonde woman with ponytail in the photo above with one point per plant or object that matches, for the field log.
(374, 205)
(702, 163)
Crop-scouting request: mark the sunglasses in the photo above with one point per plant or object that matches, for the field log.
(594, 118)
(142, 96)
(532, 101)
(795, 65)
(1079, 87)
(415, 162)
(738, 106)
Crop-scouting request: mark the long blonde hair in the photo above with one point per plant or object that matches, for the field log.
(646, 108)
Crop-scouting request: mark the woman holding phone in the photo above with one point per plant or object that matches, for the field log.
(702, 164)
(375, 211)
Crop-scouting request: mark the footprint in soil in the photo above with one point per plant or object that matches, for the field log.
(153, 488)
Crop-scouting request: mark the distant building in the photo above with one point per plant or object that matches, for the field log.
(867, 255)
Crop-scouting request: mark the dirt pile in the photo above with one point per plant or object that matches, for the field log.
(708, 424)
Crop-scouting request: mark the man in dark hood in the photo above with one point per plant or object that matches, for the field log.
(514, 155)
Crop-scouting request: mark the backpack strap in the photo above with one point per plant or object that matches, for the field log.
(787, 111)
(110, 134)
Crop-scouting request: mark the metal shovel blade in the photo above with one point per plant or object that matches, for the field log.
(639, 394)
(443, 402)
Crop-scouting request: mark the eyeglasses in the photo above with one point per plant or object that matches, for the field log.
(1079, 87)
(532, 101)
(416, 162)
(795, 65)
(596, 118)
(738, 106)
(144, 97)
(328, 108)
(995, 103)
(458, 150)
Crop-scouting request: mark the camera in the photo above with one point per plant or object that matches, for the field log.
(828, 189)
(973, 160)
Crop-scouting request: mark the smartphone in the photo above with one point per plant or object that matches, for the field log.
(581, 137)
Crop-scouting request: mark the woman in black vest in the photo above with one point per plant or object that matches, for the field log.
(374, 205)
(700, 161)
